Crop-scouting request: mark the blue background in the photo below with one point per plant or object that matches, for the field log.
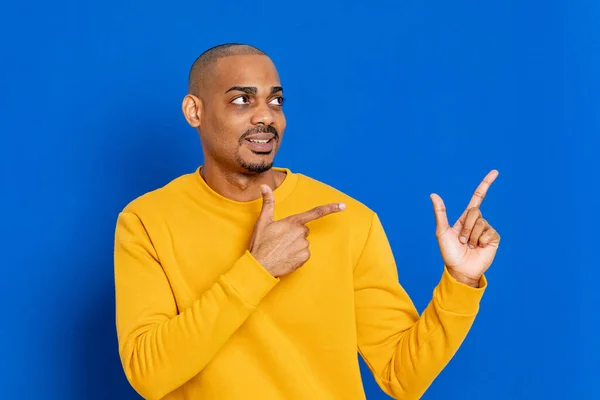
(385, 101)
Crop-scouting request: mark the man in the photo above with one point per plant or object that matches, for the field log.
(246, 281)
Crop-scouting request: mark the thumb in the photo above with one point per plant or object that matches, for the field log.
(268, 206)
(439, 209)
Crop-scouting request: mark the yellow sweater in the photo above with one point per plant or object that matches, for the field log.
(199, 318)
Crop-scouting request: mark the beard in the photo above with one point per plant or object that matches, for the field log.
(254, 167)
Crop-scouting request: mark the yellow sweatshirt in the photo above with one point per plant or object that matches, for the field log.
(199, 318)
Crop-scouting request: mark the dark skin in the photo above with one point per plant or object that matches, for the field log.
(241, 99)
(241, 94)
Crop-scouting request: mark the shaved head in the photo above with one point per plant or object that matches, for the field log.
(201, 69)
(235, 101)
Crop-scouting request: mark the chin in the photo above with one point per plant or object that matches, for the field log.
(256, 166)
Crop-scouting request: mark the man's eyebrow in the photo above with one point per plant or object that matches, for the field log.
(245, 89)
(252, 89)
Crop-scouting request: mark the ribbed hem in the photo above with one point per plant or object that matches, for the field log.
(456, 297)
(250, 279)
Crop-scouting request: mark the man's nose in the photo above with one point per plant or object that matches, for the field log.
(263, 115)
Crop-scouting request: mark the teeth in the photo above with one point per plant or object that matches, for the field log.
(259, 141)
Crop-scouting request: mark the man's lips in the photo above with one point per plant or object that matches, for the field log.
(260, 143)
(260, 136)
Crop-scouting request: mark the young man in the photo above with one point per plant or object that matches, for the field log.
(247, 281)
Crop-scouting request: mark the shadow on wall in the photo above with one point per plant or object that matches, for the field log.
(134, 159)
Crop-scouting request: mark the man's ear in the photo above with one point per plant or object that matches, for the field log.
(191, 107)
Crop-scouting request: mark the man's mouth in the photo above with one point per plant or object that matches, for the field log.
(263, 141)
(261, 146)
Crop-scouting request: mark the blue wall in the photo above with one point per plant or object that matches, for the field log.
(405, 97)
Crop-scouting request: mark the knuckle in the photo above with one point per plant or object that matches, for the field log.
(479, 193)
(473, 211)
(305, 254)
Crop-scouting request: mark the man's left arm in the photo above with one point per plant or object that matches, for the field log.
(405, 351)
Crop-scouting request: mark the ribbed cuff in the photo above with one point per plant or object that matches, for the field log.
(250, 279)
(456, 297)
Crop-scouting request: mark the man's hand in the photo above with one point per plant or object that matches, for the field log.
(469, 247)
(281, 246)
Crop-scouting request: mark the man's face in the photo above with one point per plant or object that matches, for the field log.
(242, 121)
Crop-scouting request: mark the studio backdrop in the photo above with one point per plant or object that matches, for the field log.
(386, 101)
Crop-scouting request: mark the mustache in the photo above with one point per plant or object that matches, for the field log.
(260, 129)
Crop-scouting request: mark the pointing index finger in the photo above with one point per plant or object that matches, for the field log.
(317, 212)
(482, 189)
(478, 196)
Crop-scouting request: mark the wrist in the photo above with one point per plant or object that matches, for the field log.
(267, 267)
(465, 280)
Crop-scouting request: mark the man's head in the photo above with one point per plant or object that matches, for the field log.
(235, 101)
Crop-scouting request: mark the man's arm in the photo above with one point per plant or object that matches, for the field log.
(406, 352)
(162, 349)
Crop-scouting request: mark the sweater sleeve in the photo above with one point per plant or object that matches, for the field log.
(161, 347)
(405, 351)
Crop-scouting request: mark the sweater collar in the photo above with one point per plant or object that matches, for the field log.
(280, 192)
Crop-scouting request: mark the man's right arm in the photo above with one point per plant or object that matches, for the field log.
(162, 349)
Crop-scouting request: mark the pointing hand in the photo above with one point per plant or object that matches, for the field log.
(281, 246)
(469, 246)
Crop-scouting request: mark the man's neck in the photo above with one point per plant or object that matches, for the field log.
(238, 186)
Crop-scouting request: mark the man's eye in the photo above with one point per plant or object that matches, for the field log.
(241, 100)
(278, 101)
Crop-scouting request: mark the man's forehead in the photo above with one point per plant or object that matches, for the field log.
(245, 70)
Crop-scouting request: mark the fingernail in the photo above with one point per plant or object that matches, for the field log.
(463, 239)
(471, 245)
(342, 206)
(263, 189)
